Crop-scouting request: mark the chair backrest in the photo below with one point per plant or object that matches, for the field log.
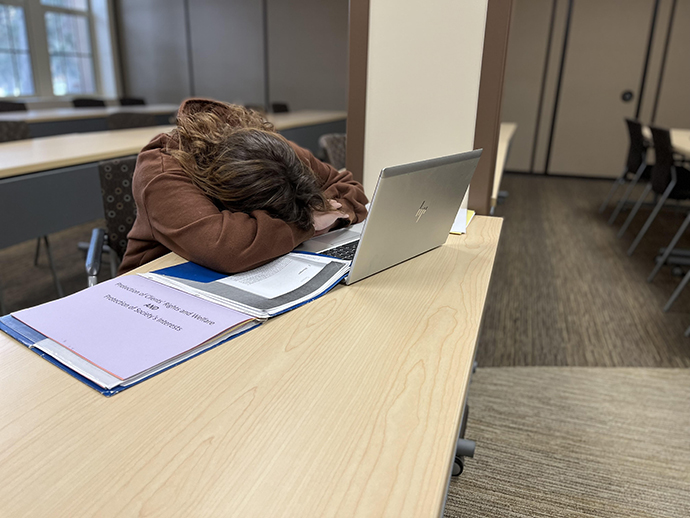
(118, 202)
(637, 152)
(334, 144)
(131, 101)
(280, 107)
(12, 106)
(124, 120)
(14, 130)
(86, 102)
(663, 159)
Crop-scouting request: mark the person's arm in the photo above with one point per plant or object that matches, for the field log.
(185, 221)
(339, 186)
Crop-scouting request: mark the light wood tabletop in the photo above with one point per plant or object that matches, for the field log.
(41, 154)
(283, 121)
(680, 138)
(504, 137)
(44, 153)
(61, 114)
(348, 406)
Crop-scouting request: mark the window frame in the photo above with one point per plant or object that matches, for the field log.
(34, 15)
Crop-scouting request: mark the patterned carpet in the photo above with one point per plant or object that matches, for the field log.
(565, 293)
(576, 442)
(566, 439)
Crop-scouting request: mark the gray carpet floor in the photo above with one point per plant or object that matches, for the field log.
(565, 293)
(558, 435)
(576, 442)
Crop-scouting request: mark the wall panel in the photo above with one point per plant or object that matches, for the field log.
(153, 49)
(227, 50)
(307, 42)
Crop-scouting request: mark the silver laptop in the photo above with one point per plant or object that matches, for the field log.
(412, 211)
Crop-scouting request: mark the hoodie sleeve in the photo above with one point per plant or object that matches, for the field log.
(183, 219)
(337, 185)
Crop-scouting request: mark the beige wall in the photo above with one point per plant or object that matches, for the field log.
(674, 102)
(423, 69)
(307, 43)
(523, 74)
(605, 56)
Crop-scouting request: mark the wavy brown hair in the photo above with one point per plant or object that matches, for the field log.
(238, 160)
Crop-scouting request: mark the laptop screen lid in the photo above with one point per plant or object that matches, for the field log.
(412, 211)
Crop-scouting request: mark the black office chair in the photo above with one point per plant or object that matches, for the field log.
(670, 180)
(334, 146)
(14, 130)
(636, 168)
(120, 212)
(132, 101)
(12, 106)
(280, 108)
(86, 102)
(124, 120)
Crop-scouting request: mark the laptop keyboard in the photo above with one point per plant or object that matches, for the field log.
(345, 252)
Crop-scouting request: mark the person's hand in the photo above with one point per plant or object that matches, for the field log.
(323, 221)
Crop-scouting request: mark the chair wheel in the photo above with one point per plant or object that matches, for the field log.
(458, 466)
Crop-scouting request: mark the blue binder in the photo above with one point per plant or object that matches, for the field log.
(28, 336)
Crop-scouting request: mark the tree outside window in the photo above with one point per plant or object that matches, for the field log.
(46, 48)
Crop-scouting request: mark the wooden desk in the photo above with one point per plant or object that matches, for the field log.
(504, 137)
(60, 121)
(680, 138)
(42, 154)
(63, 189)
(51, 183)
(304, 126)
(348, 406)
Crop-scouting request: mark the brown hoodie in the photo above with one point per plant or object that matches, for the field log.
(175, 215)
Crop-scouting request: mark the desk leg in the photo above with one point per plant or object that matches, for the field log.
(58, 287)
(464, 447)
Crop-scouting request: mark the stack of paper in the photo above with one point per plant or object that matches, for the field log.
(263, 292)
(129, 328)
(462, 221)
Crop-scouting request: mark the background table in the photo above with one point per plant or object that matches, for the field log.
(348, 406)
(51, 183)
(59, 121)
(680, 138)
(303, 126)
(505, 136)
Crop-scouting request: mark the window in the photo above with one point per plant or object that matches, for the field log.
(16, 77)
(69, 47)
(46, 48)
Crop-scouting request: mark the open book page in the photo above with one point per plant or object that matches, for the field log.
(277, 277)
(129, 325)
(278, 286)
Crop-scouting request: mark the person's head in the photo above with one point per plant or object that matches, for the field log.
(239, 161)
